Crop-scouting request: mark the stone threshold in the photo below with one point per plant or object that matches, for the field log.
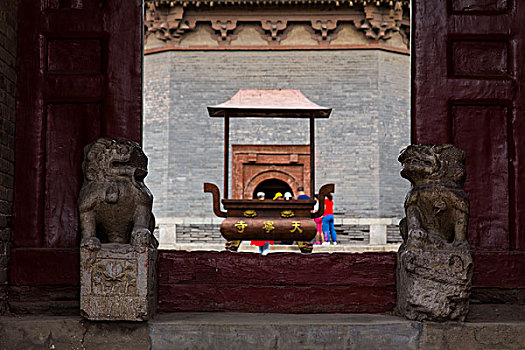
(487, 327)
(277, 248)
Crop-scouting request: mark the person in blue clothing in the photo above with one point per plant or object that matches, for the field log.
(301, 194)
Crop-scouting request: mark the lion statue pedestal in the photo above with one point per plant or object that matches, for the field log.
(118, 251)
(434, 267)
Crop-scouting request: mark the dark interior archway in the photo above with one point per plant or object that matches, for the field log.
(271, 187)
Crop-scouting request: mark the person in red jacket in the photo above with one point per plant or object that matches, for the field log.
(328, 220)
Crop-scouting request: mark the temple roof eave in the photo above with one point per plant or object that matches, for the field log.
(269, 103)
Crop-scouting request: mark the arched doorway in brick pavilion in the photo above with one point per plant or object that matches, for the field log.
(255, 165)
(271, 187)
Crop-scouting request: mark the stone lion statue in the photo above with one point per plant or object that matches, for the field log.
(436, 206)
(114, 203)
(434, 269)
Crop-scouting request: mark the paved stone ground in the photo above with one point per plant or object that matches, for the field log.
(487, 327)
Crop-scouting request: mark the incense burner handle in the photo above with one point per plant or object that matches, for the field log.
(323, 191)
(216, 193)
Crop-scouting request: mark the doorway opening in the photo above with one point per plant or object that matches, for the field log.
(271, 187)
(201, 64)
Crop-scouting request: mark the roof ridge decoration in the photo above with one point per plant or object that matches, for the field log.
(170, 21)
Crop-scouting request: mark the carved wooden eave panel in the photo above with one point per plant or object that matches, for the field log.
(274, 30)
(378, 25)
(167, 23)
(324, 30)
(224, 31)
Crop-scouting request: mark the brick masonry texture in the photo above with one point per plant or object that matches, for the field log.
(8, 12)
(356, 148)
(393, 235)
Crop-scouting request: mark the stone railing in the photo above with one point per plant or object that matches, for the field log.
(203, 233)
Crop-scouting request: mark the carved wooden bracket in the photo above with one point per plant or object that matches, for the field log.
(377, 25)
(324, 30)
(170, 21)
(167, 23)
(224, 31)
(273, 31)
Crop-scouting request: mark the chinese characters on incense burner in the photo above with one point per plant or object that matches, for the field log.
(118, 250)
(268, 229)
(434, 269)
(256, 220)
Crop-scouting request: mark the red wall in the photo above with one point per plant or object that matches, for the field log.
(281, 282)
(79, 77)
(314, 283)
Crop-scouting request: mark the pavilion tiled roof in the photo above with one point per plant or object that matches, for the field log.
(287, 103)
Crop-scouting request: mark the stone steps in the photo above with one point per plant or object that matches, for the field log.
(487, 327)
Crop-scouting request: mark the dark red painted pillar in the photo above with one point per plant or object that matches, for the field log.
(79, 76)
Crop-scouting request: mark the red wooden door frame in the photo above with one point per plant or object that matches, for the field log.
(468, 62)
(467, 69)
(79, 77)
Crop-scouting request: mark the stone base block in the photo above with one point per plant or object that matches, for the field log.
(434, 284)
(118, 283)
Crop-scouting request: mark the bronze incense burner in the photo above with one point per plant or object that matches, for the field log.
(253, 219)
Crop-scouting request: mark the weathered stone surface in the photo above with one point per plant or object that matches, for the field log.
(118, 282)
(473, 336)
(434, 284)
(497, 328)
(114, 204)
(282, 331)
(434, 270)
(58, 332)
(118, 250)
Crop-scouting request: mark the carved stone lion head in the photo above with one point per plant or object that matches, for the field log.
(433, 163)
(111, 158)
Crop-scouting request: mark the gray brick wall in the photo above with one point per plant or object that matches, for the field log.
(393, 235)
(393, 132)
(205, 233)
(352, 234)
(8, 15)
(356, 148)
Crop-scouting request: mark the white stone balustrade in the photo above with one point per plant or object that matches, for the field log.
(166, 233)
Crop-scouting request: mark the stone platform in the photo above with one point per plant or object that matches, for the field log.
(487, 327)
